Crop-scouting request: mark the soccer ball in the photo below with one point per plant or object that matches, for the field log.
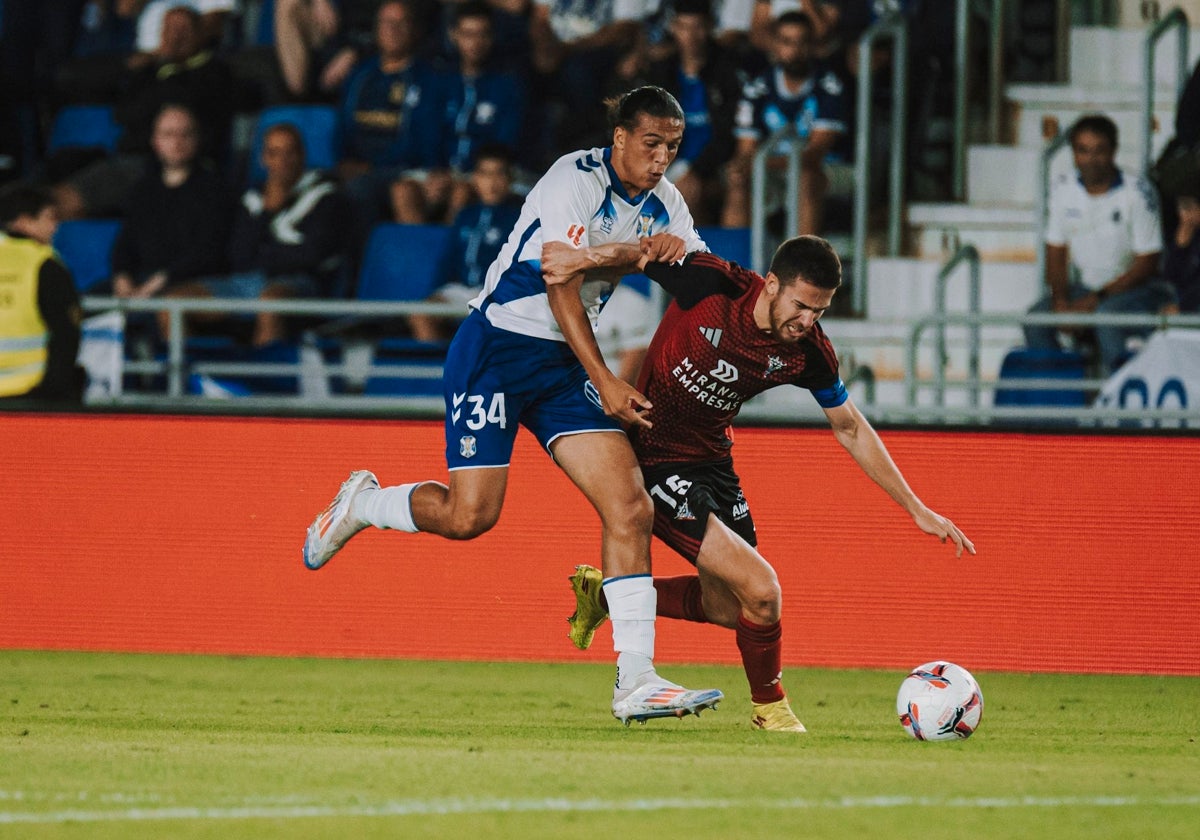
(939, 701)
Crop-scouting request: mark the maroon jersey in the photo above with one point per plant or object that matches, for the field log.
(708, 357)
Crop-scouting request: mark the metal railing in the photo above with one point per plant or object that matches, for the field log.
(973, 382)
(788, 137)
(1177, 20)
(894, 26)
(176, 367)
(970, 255)
(963, 75)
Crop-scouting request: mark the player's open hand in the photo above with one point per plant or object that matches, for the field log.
(942, 528)
(623, 402)
(663, 247)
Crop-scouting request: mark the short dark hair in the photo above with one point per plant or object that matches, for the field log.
(291, 130)
(23, 199)
(1094, 124)
(471, 9)
(808, 258)
(495, 151)
(623, 110)
(693, 7)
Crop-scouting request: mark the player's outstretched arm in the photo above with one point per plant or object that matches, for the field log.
(561, 262)
(858, 436)
(618, 398)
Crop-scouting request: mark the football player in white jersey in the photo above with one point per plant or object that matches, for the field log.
(527, 355)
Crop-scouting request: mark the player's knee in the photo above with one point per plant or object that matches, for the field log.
(640, 513)
(469, 523)
(762, 602)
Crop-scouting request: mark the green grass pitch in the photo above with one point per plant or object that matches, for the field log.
(120, 746)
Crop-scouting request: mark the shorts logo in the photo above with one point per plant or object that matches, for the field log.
(740, 509)
(724, 372)
(589, 391)
(466, 446)
(684, 512)
(457, 410)
(575, 234)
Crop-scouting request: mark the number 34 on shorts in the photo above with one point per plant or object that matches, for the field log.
(477, 416)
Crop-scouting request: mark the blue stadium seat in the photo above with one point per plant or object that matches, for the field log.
(318, 125)
(1023, 363)
(402, 262)
(85, 246)
(732, 244)
(84, 126)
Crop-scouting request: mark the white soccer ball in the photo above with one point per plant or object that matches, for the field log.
(939, 701)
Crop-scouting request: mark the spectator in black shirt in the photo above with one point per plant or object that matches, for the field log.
(177, 224)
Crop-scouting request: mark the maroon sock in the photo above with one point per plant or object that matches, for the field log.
(762, 657)
(680, 597)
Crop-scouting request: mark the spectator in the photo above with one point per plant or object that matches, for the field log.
(480, 105)
(177, 224)
(390, 124)
(792, 92)
(1181, 268)
(1103, 241)
(39, 310)
(478, 233)
(705, 80)
(182, 72)
(212, 15)
(287, 236)
(576, 44)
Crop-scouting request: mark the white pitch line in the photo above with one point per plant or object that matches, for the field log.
(435, 807)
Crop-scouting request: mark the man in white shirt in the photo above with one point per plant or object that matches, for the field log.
(1103, 239)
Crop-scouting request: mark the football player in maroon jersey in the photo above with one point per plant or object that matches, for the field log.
(729, 335)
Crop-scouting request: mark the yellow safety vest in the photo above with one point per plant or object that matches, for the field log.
(23, 333)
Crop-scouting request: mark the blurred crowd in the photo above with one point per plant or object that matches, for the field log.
(418, 88)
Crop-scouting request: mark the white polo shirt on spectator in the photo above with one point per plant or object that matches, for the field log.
(1103, 233)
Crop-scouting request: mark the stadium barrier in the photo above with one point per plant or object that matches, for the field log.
(183, 534)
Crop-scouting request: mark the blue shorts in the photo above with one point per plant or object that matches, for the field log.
(496, 380)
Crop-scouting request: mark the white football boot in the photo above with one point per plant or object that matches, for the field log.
(334, 526)
(657, 698)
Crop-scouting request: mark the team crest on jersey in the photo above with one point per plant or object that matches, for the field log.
(466, 446)
(645, 225)
(774, 364)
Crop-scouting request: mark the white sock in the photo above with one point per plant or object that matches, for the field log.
(632, 601)
(387, 507)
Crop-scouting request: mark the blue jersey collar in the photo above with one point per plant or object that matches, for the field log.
(617, 186)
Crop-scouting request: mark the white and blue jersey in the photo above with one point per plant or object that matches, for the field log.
(509, 363)
(579, 201)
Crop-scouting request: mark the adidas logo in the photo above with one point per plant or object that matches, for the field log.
(712, 334)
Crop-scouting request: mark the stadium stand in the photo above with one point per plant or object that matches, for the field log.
(85, 245)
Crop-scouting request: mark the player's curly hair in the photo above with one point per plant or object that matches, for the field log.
(810, 258)
(651, 100)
